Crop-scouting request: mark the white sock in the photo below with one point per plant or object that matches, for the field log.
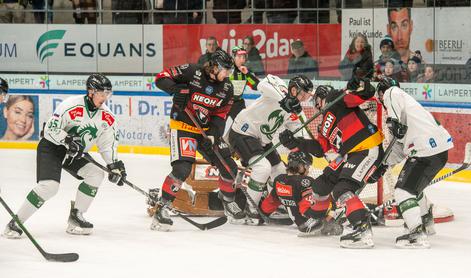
(409, 208)
(84, 197)
(424, 203)
(37, 197)
(255, 191)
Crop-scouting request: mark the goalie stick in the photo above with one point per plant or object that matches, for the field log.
(464, 166)
(202, 226)
(64, 257)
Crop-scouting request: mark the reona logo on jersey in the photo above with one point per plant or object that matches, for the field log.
(206, 100)
(284, 190)
(76, 112)
(329, 121)
(107, 117)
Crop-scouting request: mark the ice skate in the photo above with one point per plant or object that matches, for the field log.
(232, 210)
(311, 228)
(415, 239)
(331, 227)
(252, 218)
(161, 220)
(77, 224)
(153, 195)
(359, 236)
(12, 231)
(428, 222)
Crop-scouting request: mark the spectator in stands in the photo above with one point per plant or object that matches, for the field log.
(129, 18)
(301, 62)
(388, 53)
(428, 76)
(12, 11)
(319, 16)
(282, 16)
(84, 10)
(39, 16)
(254, 60)
(393, 70)
(358, 60)
(233, 17)
(400, 28)
(179, 17)
(211, 47)
(413, 68)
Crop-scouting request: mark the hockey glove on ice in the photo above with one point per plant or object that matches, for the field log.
(288, 140)
(118, 172)
(74, 145)
(181, 98)
(291, 105)
(378, 173)
(397, 129)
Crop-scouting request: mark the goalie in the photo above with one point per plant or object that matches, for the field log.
(425, 143)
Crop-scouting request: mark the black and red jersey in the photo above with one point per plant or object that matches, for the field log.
(209, 101)
(345, 127)
(295, 192)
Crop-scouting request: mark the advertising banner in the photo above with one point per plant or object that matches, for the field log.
(81, 48)
(185, 43)
(19, 120)
(439, 34)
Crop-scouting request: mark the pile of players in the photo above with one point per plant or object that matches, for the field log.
(205, 101)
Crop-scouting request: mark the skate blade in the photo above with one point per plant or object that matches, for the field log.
(252, 222)
(75, 230)
(11, 235)
(409, 245)
(311, 234)
(156, 226)
(430, 231)
(235, 221)
(349, 244)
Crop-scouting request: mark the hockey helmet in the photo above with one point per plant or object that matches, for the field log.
(386, 83)
(298, 158)
(238, 50)
(323, 91)
(302, 83)
(99, 82)
(4, 89)
(222, 59)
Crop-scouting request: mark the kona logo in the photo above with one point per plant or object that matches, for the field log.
(47, 42)
(328, 123)
(206, 100)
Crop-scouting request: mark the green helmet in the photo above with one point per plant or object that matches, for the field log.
(238, 50)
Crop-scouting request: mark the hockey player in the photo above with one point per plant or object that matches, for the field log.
(347, 130)
(241, 78)
(425, 143)
(207, 93)
(294, 190)
(77, 124)
(252, 132)
(3, 90)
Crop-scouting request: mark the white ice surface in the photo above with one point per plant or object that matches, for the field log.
(122, 245)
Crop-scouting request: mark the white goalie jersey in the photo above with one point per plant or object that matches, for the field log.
(265, 116)
(98, 127)
(424, 136)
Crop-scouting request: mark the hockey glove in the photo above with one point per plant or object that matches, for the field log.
(291, 105)
(74, 145)
(288, 140)
(181, 98)
(397, 129)
(207, 144)
(377, 174)
(117, 172)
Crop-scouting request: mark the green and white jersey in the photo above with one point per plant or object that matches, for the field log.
(264, 117)
(72, 116)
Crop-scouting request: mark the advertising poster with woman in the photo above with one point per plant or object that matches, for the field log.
(19, 118)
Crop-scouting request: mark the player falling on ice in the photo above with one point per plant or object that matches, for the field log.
(346, 129)
(77, 124)
(252, 132)
(295, 190)
(206, 92)
(425, 143)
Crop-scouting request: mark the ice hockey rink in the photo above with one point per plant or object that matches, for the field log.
(122, 245)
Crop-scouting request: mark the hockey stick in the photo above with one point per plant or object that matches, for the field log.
(65, 257)
(464, 166)
(202, 226)
(228, 169)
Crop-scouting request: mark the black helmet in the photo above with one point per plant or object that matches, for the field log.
(3, 86)
(355, 83)
(323, 91)
(386, 83)
(301, 82)
(222, 59)
(298, 158)
(98, 81)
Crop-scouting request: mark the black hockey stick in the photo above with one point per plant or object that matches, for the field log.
(228, 169)
(202, 226)
(65, 257)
